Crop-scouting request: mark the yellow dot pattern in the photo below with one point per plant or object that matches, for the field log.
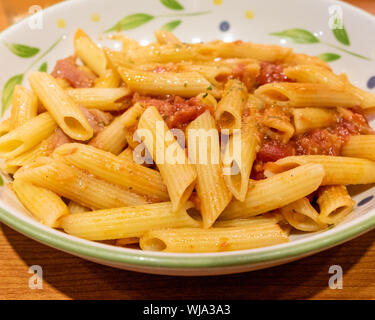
(61, 23)
(218, 2)
(249, 14)
(95, 17)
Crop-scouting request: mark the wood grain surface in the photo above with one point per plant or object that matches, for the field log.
(68, 277)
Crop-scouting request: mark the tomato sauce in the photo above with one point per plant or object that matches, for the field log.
(271, 72)
(68, 69)
(320, 141)
(176, 111)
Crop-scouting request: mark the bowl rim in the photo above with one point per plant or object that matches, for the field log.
(111, 254)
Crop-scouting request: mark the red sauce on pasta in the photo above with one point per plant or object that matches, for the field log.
(271, 72)
(67, 69)
(176, 111)
(321, 141)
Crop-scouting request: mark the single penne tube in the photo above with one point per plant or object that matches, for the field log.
(335, 204)
(99, 98)
(136, 55)
(320, 74)
(240, 49)
(310, 118)
(24, 106)
(110, 79)
(44, 204)
(90, 53)
(40, 150)
(211, 188)
(195, 240)
(299, 95)
(302, 216)
(61, 106)
(178, 175)
(241, 160)
(184, 84)
(362, 146)
(166, 37)
(229, 109)
(212, 73)
(26, 136)
(276, 192)
(78, 185)
(126, 222)
(113, 137)
(338, 170)
(105, 165)
(313, 74)
(75, 207)
(303, 59)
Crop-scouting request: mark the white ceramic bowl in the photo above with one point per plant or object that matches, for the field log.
(194, 21)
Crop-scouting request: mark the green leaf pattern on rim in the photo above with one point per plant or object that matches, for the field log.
(172, 4)
(131, 22)
(303, 36)
(328, 57)
(22, 50)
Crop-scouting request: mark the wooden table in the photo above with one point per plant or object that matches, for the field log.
(68, 277)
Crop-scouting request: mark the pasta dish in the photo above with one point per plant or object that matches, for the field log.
(191, 148)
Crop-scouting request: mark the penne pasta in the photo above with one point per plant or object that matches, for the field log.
(187, 84)
(24, 106)
(211, 188)
(362, 146)
(45, 205)
(307, 95)
(193, 148)
(194, 240)
(338, 170)
(335, 204)
(90, 53)
(178, 175)
(301, 215)
(310, 118)
(77, 185)
(276, 191)
(127, 222)
(113, 138)
(27, 136)
(100, 98)
(61, 106)
(110, 79)
(105, 165)
(229, 109)
(242, 160)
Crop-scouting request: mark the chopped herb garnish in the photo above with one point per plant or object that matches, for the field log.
(205, 95)
(185, 84)
(209, 88)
